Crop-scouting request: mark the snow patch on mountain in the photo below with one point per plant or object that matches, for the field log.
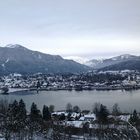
(13, 46)
(3, 65)
(94, 62)
(122, 57)
(7, 60)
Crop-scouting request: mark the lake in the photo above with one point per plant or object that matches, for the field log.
(127, 100)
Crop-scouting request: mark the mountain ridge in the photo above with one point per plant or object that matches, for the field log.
(19, 59)
(121, 62)
(133, 64)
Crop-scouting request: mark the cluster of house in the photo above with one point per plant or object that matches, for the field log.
(129, 80)
(79, 119)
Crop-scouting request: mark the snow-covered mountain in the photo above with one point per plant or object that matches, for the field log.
(18, 59)
(85, 61)
(102, 63)
(127, 64)
(97, 64)
(94, 63)
(77, 59)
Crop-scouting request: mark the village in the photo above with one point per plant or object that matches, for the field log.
(94, 80)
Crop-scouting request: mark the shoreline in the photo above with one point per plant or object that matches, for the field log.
(12, 90)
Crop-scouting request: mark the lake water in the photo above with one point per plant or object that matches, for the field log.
(127, 100)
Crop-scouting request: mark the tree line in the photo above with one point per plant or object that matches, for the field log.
(14, 119)
(17, 123)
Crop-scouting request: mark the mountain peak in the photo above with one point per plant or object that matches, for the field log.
(13, 46)
(124, 56)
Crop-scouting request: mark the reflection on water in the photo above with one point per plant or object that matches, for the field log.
(127, 100)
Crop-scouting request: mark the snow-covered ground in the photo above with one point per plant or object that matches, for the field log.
(16, 89)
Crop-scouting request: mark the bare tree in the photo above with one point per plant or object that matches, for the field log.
(69, 107)
(116, 110)
(96, 108)
(51, 108)
(76, 109)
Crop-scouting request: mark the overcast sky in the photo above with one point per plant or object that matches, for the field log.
(86, 28)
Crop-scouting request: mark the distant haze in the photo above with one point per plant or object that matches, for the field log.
(83, 28)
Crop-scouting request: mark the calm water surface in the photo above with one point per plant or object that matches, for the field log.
(127, 100)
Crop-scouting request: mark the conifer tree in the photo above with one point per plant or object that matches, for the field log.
(35, 114)
(46, 113)
(102, 115)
